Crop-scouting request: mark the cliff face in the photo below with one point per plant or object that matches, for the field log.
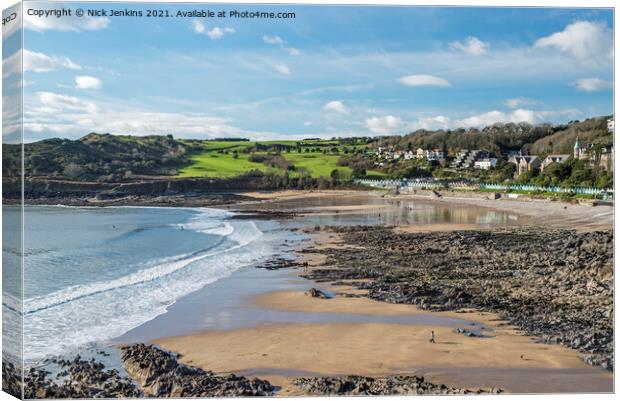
(35, 188)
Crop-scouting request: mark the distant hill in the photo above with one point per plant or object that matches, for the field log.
(592, 130)
(102, 157)
(500, 138)
(114, 158)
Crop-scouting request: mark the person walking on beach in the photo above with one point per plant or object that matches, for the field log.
(432, 339)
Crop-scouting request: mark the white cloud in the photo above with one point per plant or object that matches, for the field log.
(217, 32)
(589, 42)
(50, 114)
(432, 123)
(214, 33)
(336, 106)
(490, 118)
(12, 64)
(36, 62)
(12, 118)
(282, 69)
(276, 40)
(23, 83)
(307, 123)
(592, 85)
(423, 80)
(198, 26)
(87, 82)
(39, 62)
(337, 88)
(385, 125)
(516, 102)
(49, 102)
(273, 40)
(472, 46)
(72, 24)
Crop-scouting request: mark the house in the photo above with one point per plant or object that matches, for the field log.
(553, 159)
(434, 154)
(485, 164)
(594, 155)
(607, 159)
(420, 153)
(466, 158)
(525, 163)
(611, 125)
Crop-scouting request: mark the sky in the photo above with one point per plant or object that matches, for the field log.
(331, 71)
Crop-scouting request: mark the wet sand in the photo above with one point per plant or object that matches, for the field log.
(374, 346)
(546, 213)
(280, 352)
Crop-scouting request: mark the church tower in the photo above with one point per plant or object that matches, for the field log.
(577, 149)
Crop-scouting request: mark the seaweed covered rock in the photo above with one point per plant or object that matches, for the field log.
(160, 375)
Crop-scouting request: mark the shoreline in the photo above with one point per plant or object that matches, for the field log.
(581, 216)
(336, 344)
(360, 340)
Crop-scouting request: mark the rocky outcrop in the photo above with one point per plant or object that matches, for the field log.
(556, 285)
(394, 385)
(11, 380)
(37, 188)
(77, 379)
(316, 293)
(159, 374)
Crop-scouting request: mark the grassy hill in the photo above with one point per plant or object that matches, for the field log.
(113, 158)
(315, 158)
(102, 157)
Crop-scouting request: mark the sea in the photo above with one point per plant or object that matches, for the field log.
(92, 274)
(95, 274)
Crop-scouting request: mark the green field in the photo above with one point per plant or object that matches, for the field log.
(317, 164)
(217, 158)
(212, 164)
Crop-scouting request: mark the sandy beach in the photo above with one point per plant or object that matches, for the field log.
(558, 214)
(502, 357)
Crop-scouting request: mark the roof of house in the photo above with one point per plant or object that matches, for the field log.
(527, 159)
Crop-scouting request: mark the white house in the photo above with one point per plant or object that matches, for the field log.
(409, 155)
(485, 164)
(435, 154)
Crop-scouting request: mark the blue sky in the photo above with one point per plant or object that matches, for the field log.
(331, 71)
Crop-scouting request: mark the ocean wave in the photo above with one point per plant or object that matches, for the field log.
(170, 266)
(208, 221)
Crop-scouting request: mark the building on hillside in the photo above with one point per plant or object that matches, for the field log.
(434, 155)
(594, 155)
(577, 149)
(420, 153)
(611, 125)
(525, 163)
(466, 158)
(607, 159)
(485, 164)
(553, 159)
